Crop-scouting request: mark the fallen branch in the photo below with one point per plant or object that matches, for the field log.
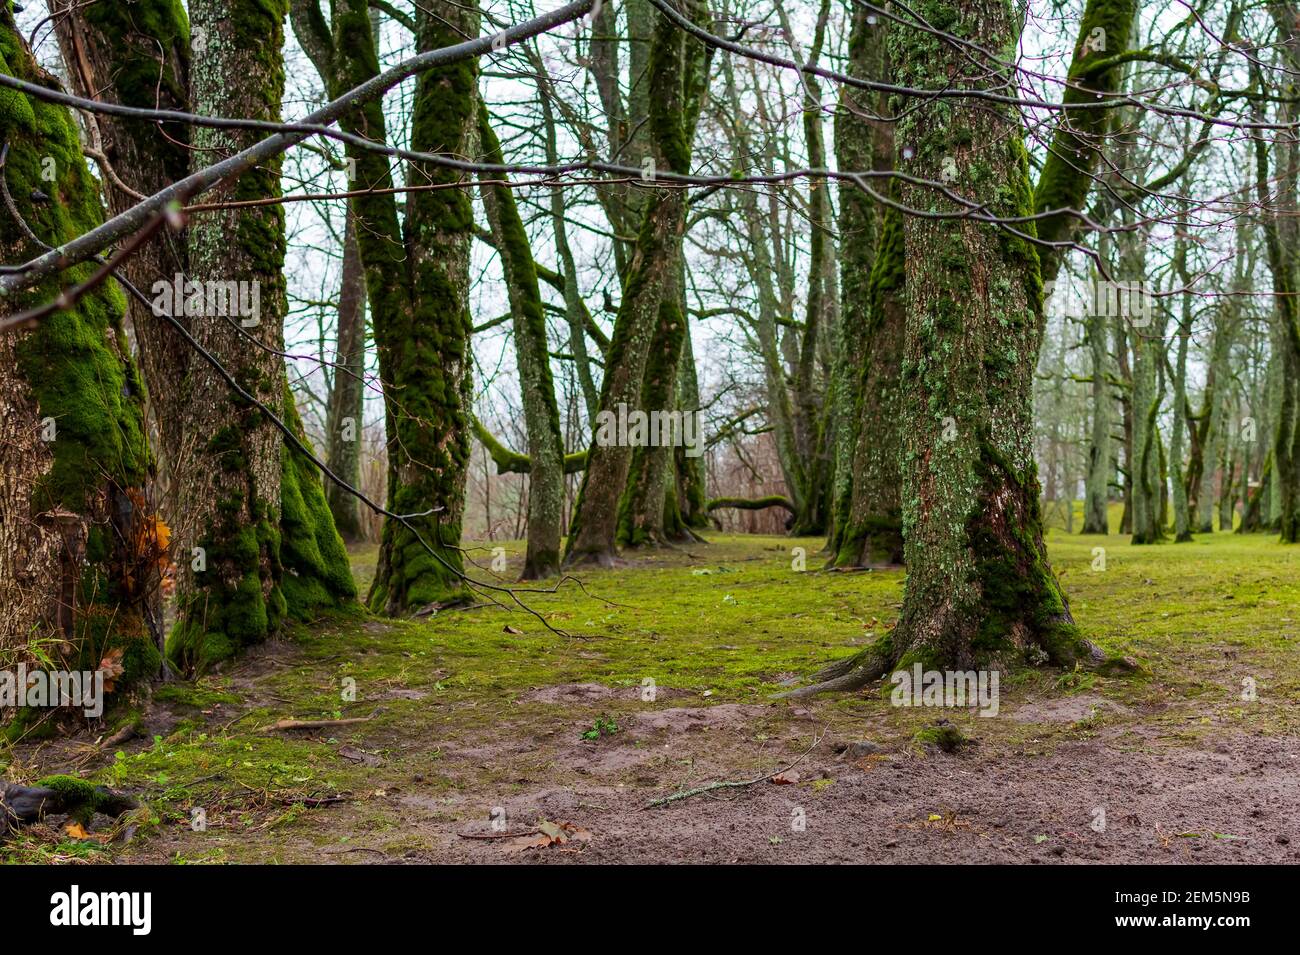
(700, 790)
(498, 835)
(750, 503)
(314, 724)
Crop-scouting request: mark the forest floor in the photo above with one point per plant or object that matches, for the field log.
(484, 734)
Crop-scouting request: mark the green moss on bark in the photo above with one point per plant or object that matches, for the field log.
(75, 371)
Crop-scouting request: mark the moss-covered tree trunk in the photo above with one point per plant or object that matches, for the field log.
(532, 353)
(423, 343)
(79, 554)
(139, 54)
(649, 510)
(691, 492)
(260, 559)
(812, 416)
(1213, 414)
(651, 274)
(1070, 164)
(228, 487)
(644, 507)
(872, 533)
(417, 285)
(868, 522)
(1101, 468)
(343, 422)
(979, 591)
(1280, 235)
(1182, 515)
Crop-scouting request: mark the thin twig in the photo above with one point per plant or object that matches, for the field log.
(700, 790)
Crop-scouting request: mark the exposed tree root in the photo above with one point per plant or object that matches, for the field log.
(851, 673)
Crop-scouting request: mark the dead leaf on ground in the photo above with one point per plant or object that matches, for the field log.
(352, 754)
(549, 834)
(786, 778)
(514, 631)
(75, 830)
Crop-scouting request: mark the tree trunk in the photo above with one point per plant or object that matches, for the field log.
(139, 55)
(347, 398)
(79, 549)
(651, 276)
(417, 283)
(1182, 516)
(1068, 170)
(537, 390)
(229, 485)
(691, 494)
(979, 589)
(868, 440)
(1101, 468)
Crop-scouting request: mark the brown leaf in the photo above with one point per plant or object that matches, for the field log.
(512, 630)
(111, 666)
(549, 834)
(786, 778)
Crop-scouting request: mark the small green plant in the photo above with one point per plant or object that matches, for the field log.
(1075, 680)
(604, 726)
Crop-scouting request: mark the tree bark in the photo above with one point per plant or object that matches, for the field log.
(417, 284)
(138, 54)
(868, 503)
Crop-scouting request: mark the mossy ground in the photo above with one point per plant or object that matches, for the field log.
(464, 715)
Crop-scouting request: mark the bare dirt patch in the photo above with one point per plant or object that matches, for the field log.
(595, 692)
(1084, 803)
(1066, 709)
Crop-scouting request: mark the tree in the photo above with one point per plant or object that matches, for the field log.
(868, 510)
(347, 394)
(980, 591)
(651, 273)
(268, 546)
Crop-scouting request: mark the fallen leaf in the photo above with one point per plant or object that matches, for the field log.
(549, 834)
(111, 666)
(352, 754)
(512, 630)
(786, 778)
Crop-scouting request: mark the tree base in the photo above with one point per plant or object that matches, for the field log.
(604, 557)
